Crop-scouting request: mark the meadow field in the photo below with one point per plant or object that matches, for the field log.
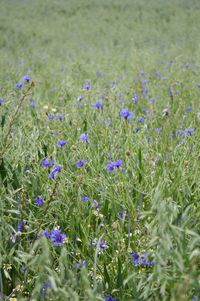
(100, 150)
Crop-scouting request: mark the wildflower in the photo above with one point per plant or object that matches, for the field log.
(144, 90)
(21, 225)
(113, 165)
(189, 131)
(141, 259)
(32, 103)
(101, 244)
(46, 233)
(19, 85)
(39, 200)
(59, 116)
(26, 78)
(98, 104)
(54, 172)
(61, 143)
(46, 162)
(50, 116)
(135, 98)
(140, 119)
(188, 108)
(123, 214)
(57, 237)
(144, 81)
(158, 130)
(125, 113)
(7, 266)
(84, 198)
(81, 163)
(111, 299)
(84, 137)
(1, 101)
(87, 86)
(152, 99)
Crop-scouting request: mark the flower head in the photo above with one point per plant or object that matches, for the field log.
(19, 85)
(113, 165)
(61, 143)
(125, 113)
(141, 259)
(81, 163)
(1, 101)
(98, 104)
(39, 200)
(26, 78)
(84, 137)
(57, 237)
(46, 162)
(54, 172)
(140, 119)
(84, 198)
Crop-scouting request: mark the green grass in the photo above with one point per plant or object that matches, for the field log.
(62, 45)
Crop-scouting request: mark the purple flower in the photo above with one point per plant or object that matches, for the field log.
(57, 237)
(98, 104)
(189, 131)
(179, 132)
(81, 163)
(46, 162)
(21, 225)
(26, 78)
(54, 172)
(125, 113)
(101, 245)
(111, 299)
(113, 165)
(59, 116)
(158, 130)
(87, 86)
(123, 214)
(84, 137)
(152, 99)
(135, 98)
(188, 108)
(144, 90)
(61, 143)
(144, 81)
(46, 233)
(50, 116)
(1, 101)
(19, 85)
(32, 103)
(141, 259)
(39, 200)
(140, 119)
(84, 198)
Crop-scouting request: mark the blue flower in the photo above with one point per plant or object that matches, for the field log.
(98, 104)
(87, 86)
(57, 237)
(81, 163)
(189, 131)
(39, 200)
(111, 299)
(144, 90)
(144, 81)
(188, 108)
(84, 137)
(26, 78)
(140, 119)
(54, 172)
(84, 198)
(1, 101)
(135, 98)
(113, 165)
(46, 162)
(51, 116)
(32, 103)
(125, 113)
(19, 85)
(141, 259)
(61, 142)
(158, 130)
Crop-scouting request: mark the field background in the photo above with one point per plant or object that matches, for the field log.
(151, 203)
